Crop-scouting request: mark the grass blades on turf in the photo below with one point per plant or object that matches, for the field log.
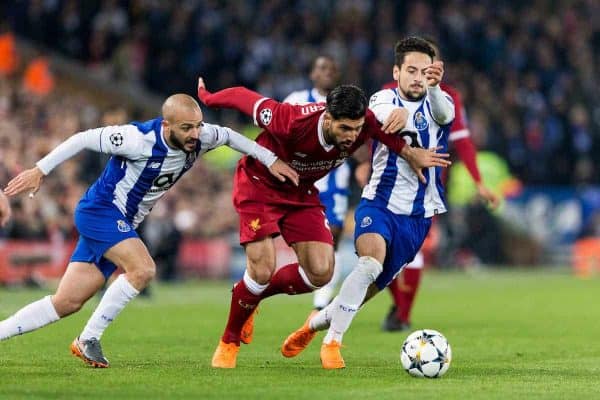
(523, 334)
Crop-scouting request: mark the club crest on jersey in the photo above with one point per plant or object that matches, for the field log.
(116, 139)
(123, 226)
(266, 115)
(366, 221)
(420, 121)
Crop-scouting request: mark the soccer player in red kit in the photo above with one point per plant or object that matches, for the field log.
(313, 139)
(405, 286)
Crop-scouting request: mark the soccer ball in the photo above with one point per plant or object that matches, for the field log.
(426, 353)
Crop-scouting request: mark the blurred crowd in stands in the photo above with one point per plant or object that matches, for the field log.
(528, 73)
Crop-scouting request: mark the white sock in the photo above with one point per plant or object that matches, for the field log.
(352, 294)
(322, 319)
(322, 297)
(253, 286)
(29, 318)
(114, 300)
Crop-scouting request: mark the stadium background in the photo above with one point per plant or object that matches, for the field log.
(527, 72)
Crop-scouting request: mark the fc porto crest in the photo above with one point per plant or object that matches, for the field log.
(123, 226)
(420, 121)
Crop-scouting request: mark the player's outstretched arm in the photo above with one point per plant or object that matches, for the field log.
(239, 98)
(218, 135)
(5, 211)
(419, 158)
(30, 179)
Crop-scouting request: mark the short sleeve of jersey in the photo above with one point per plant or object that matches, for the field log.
(274, 116)
(213, 136)
(121, 140)
(382, 103)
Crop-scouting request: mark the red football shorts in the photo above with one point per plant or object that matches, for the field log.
(294, 213)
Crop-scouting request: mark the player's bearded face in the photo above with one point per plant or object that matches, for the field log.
(342, 133)
(185, 135)
(411, 75)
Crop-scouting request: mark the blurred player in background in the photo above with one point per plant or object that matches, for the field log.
(5, 211)
(405, 286)
(397, 206)
(313, 139)
(334, 188)
(147, 159)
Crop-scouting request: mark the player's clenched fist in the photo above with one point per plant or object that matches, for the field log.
(434, 73)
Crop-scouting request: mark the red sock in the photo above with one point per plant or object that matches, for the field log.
(409, 284)
(395, 291)
(243, 302)
(287, 280)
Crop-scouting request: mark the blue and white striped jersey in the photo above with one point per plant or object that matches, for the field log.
(393, 184)
(305, 96)
(142, 167)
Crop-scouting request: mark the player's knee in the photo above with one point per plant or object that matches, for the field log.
(320, 271)
(370, 267)
(261, 276)
(141, 275)
(66, 306)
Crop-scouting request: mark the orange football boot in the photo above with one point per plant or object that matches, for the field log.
(248, 329)
(225, 355)
(331, 357)
(300, 339)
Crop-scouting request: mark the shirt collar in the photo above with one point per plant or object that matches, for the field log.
(324, 145)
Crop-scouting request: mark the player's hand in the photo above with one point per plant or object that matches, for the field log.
(434, 73)
(30, 179)
(281, 170)
(419, 158)
(487, 195)
(395, 121)
(201, 84)
(4, 209)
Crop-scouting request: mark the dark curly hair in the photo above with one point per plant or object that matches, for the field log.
(409, 44)
(347, 101)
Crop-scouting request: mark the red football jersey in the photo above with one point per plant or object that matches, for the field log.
(294, 133)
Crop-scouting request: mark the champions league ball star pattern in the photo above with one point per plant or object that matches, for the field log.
(426, 353)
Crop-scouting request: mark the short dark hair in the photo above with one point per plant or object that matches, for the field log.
(409, 44)
(347, 101)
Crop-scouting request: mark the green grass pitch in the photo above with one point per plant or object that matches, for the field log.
(514, 335)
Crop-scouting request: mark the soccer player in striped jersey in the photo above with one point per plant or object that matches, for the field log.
(147, 159)
(334, 188)
(396, 208)
(405, 286)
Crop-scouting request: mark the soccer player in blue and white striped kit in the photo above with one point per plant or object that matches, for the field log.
(397, 205)
(147, 159)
